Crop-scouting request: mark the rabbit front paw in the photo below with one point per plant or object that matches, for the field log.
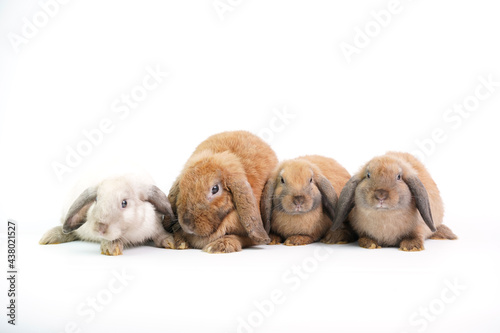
(225, 244)
(112, 248)
(275, 239)
(368, 243)
(339, 236)
(298, 240)
(411, 244)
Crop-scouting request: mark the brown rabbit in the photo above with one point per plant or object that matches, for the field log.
(299, 199)
(216, 195)
(394, 202)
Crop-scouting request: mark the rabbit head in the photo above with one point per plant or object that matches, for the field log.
(115, 207)
(211, 186)
(385, 183)
(297, 187)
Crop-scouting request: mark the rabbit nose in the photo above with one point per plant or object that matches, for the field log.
(381, 194)
(101, 227)
(298, 200)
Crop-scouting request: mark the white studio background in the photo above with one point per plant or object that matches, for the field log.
(344, 79)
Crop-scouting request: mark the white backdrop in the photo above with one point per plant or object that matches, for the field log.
(85, 82)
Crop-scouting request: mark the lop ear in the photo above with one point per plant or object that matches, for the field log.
(172, 196)
(159, 200)
(77, 214)
(419, 192)
(266, 203)
(248, 210)
(345, 202)
(328, 195)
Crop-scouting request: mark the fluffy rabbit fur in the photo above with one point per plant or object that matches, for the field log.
(394, 202)
(299, 199)
(216, 195)
(124, 210)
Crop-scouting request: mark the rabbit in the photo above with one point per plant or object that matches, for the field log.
(299, 198)
(393, 201)
(121, 210)
(216, 195)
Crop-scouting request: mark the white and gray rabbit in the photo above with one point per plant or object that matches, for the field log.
(118, 211)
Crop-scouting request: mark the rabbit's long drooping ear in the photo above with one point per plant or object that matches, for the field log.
(345, 202)
(159, 200)
(248, 210)
(173, 194)
(419, 192)
(266, 203)
(328, 195)
(77, 214)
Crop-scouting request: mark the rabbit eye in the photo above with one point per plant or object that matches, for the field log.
(215, 189)
(124, 203)
(282, 180)
(310, 180)
(368, 175)
(398, 177)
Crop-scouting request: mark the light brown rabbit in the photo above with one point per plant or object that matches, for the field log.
(299, 199)
(215, 198)
(394, 202)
